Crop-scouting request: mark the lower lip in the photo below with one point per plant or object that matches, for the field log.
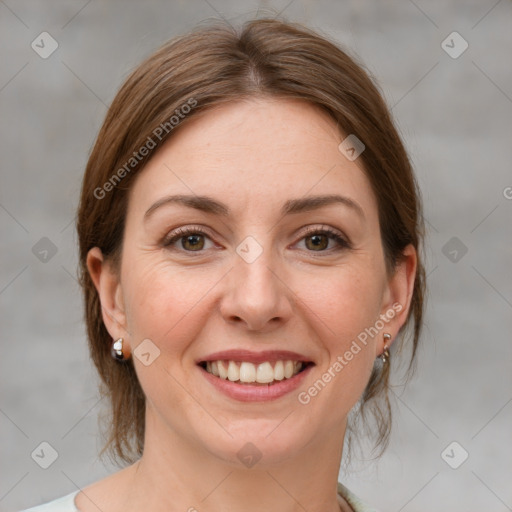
(258, 392)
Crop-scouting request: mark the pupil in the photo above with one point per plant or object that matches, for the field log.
(318, 241)
(193, 241)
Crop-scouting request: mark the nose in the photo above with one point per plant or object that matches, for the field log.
(256, 296)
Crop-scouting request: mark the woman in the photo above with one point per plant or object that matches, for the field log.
(249, 232)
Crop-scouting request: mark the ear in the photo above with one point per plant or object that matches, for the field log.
(107, 283)
(398, 296)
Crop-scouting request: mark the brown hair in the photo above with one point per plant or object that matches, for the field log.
(207, 67)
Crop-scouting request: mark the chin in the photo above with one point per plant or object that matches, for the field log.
(260, 442)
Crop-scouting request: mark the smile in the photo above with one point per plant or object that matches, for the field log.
(245, 372)
(249, 376)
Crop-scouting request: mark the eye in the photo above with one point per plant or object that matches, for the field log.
(192, 239)
(318, 239)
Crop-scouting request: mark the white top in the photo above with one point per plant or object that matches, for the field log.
(67, 503)
(63, 504)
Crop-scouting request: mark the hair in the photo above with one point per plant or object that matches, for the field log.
(208, 67)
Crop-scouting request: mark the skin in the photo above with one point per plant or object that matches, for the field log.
(252, 156)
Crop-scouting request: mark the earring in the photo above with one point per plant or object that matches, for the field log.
(117, 350)
(385, 353)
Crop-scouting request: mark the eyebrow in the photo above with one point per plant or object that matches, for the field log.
(293, 206)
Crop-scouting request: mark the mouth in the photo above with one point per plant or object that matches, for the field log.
(264, 373)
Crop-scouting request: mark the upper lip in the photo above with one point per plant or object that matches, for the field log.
(254, 357)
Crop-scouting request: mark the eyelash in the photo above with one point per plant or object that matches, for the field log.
(333, 235)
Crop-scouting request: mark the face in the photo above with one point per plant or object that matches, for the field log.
(271, 259)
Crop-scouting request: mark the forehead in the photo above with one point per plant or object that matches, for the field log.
(253, 154)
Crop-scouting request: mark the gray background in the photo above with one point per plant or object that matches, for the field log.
(454, 114)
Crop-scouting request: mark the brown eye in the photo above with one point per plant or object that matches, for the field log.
(317, 242)
(192, 242)
(188, 239)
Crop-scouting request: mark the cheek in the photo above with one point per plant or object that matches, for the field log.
(162, 301)
(347, 305)
(347, 301)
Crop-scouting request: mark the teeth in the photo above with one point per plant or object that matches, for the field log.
(247, 372)
(279, 370)
(233, 371)
(223, 372)
(262, 373)
(288, 369)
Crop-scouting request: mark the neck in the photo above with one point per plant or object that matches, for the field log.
(179, 475)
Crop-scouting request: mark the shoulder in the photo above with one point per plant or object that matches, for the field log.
(63, 504)
(357, 504)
